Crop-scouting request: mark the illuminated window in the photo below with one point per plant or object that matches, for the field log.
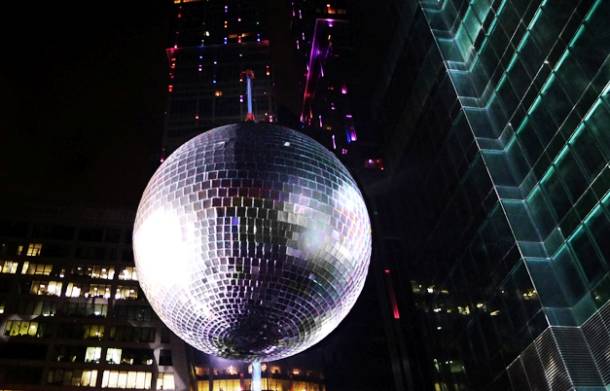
(73, 290)
(49, 288)
(227, 385)
(128, 273)
(298, 385)
(1, 307)
(127, 379)
(137, 357)
(113, 356)
(34, 249)
(126, 293)
(23, 328)
(231, 370)
(93, 331)
(218, 93)
(8, 267)
(38, 269)
(72, 377)
(103, 272)
(165, 381)
(97, 290)
(93, 354)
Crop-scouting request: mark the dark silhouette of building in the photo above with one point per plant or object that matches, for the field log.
(212, 43)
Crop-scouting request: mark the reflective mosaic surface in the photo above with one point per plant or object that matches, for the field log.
(252, 241)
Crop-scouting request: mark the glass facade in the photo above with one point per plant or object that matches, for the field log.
(72, 312)
(496, 116)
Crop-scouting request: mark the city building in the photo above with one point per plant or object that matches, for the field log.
(212, 44)
(73, 316)
(71, 311)
(496, 121)
(323, 40)
(326, 39)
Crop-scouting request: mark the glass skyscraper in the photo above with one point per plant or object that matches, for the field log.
(496, 118)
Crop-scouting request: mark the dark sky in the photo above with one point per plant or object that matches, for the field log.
(83, 95)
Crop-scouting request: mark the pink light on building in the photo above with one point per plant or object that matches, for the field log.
(391, 294)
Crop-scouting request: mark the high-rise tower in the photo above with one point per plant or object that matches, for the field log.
(212, 43)
(496, 117)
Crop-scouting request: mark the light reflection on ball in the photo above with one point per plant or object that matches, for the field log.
(252, 242)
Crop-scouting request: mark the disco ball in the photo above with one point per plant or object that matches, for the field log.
(252, 242)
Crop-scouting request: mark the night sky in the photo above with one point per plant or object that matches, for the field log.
(83, 101)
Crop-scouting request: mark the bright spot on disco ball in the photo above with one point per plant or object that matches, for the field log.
(252, 242)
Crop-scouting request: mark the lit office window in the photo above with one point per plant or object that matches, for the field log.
(49, 288)
(126, 293)
(127, 379)
(297, 385)
(34, 249)
(72, 377)
(38, 269)
(93, 331)
(276, 370)
(113, 356)
(128, 273)
(97, 290)
(165, 381)
(102, 272)
(93, 354)
(73, 290)
(8, 267)
(23, 328)
(94, 271)
(229, 384)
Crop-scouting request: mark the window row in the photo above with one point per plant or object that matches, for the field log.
(74, 289)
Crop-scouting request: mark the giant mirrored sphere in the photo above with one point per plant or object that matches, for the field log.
(252, 242)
